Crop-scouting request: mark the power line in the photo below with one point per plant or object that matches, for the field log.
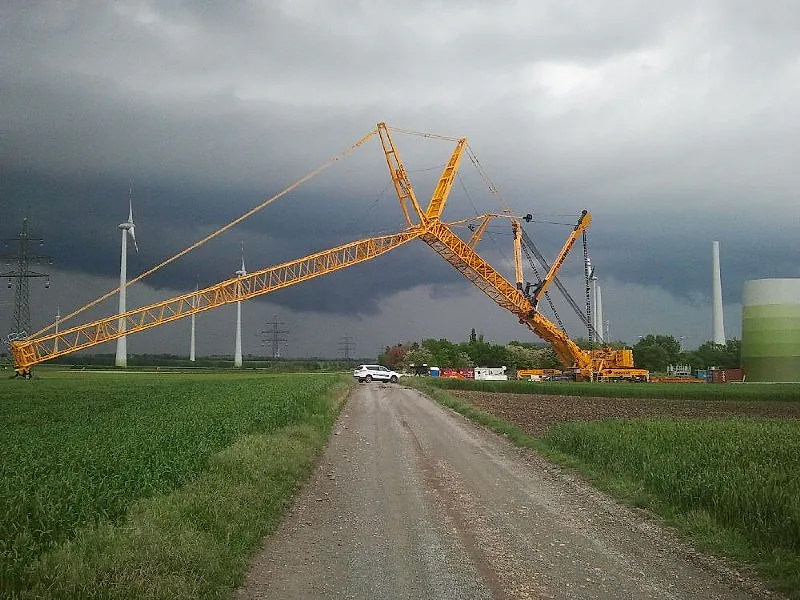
(22, 259)
(275, 337)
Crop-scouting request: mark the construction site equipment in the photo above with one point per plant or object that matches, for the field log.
(604, 364)
(538, 374)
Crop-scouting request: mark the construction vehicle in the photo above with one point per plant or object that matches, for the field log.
(538, 374)
(426, 225)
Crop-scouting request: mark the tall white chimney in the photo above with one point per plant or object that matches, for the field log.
(716, 296)
(598, 311)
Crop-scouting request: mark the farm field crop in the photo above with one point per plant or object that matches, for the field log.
(740, 476)
(80, 451)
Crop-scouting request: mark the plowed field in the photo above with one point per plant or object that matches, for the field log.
(535, 413)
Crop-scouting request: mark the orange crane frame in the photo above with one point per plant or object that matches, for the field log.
(427, 226)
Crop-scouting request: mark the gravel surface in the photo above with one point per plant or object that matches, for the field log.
(410, 500)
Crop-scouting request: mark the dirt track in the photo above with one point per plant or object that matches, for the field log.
(536, 413)
(410, 500)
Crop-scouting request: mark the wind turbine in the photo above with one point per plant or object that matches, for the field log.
(237, 357)
(127, 229)
(191, 339)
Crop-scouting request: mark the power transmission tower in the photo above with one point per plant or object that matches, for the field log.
(22, 259)
(346, 345)
(275, 336)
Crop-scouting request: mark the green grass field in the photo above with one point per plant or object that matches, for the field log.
(149, 485)
(677, 391)
(733, 479)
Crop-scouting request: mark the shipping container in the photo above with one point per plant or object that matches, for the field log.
(450, 373)
(491, 374)
(727, 375)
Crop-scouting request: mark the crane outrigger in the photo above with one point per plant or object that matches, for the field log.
(426, 225)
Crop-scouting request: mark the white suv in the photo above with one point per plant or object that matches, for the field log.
(377, 372)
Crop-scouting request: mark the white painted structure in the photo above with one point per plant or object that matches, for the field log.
(598, 313)
(718, 331)
(237, 355)
(490, 374)
(127, 228)
(191, 341)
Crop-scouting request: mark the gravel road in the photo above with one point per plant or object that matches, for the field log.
(410, 500)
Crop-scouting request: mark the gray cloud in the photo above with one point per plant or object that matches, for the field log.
(674, 123)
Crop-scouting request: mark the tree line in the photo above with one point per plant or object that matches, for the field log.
(653, 352)
(474, 353)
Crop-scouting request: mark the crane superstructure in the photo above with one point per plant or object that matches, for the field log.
(423, 224)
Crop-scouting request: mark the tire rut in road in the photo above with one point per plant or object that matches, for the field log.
(457, 514)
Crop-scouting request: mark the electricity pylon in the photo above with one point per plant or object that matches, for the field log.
(275, 337)
(22, 259)
(346, 344)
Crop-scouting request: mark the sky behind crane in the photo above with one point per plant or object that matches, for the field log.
(675, 124)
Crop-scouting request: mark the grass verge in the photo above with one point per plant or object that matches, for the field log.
(181, 526)
(730, 485)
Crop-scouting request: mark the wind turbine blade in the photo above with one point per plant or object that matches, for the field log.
(130, 201)
(133, 237)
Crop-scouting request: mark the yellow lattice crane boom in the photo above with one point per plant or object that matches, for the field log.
(30, 352)
(425, 225)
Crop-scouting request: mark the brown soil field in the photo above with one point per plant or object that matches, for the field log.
(534, 413)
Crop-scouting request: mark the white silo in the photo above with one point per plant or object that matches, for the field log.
(771, 330)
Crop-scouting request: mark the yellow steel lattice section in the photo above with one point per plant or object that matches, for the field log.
(467, 262)
(402, 185)
(446, 181)
(28, 353)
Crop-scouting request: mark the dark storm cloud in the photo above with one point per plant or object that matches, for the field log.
(674, 123)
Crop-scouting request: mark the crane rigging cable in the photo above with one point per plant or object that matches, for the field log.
(433, 136)
(547, 296)
(219, 231)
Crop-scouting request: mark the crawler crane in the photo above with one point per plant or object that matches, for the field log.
(425, 225)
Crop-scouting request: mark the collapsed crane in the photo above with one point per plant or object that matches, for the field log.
(426, 225)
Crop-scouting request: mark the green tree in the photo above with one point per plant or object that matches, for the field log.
(546, 358)
(393, 356)
(420, 356)
(445, 353)
(724, 356)
(652, 357)
(645, 357)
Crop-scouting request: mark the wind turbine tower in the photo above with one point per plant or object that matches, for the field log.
(718, 330)
(237, 356)
(127, 229)
(595, 305)
(191, 341)
(598, 314)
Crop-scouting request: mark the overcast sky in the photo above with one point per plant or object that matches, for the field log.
(674, 124)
